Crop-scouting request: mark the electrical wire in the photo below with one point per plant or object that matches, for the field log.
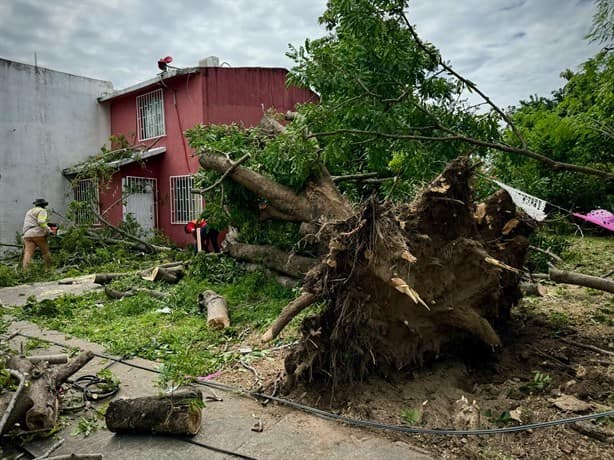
(367, 423)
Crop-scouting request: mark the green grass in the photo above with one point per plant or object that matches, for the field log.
(590, 255)
(181, 340)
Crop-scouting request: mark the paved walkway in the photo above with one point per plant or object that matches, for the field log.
(226, 424)
(18, 295)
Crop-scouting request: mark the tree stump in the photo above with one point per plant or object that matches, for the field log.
(178, 413)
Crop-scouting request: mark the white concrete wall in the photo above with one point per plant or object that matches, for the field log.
(49, 121)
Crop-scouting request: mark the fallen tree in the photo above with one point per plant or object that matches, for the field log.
(397, 281)
(399, 270)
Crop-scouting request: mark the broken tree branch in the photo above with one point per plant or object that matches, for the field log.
(437, 59)
(223, 176)
(588, 347)
(9, 409)
(279, 196)
(290, 311)
(150, 247)
(560, 276)
(552, 164)
(548, 253)
(273, 258)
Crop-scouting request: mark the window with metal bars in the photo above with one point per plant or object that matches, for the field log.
(185, 205)
(150, 115)
(85, 193)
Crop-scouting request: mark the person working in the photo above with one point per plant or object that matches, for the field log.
(204, 235)
(35, 232)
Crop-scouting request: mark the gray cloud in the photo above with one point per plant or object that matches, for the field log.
(510, 48)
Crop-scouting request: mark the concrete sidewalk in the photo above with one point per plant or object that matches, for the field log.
(226, 424)
(18, 295)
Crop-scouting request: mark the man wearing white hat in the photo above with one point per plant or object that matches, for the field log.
(35, 232)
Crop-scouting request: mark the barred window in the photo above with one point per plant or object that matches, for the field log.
(85, 193)
(150, 115)
(185, 205)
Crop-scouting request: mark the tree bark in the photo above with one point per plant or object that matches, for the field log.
(279, 196)
(178, 413)
(37, 405)
(217, 309)
(288, 313)
(602, 284)
(273, 258)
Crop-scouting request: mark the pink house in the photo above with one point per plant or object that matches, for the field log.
(155, 188)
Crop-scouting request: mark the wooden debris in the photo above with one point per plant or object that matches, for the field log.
(177, 413)
(592, 431)
(571, 403)
(36, 407)
(579, 279)
(587, 346)
(286, 315)
(217, 309)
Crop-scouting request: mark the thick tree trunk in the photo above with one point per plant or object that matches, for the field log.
(37, 405)
(273, 258)
(560, 276)
(178, 413)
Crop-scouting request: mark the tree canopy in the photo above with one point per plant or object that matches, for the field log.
(392, 107)
(575, 125)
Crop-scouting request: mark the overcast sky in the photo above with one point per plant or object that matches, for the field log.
(510, 48)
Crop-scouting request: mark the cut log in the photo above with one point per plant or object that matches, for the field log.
(178, 413)
(115, 294)
(579, 279)
(37, 405)
(106, 278)
(216, 307)
(168, 275)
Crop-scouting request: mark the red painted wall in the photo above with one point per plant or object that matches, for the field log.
(216, 95)
(239, 95)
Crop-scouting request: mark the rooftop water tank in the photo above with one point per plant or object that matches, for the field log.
(209, 61)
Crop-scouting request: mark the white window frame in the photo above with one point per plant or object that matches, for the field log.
(150, 115)
(80, 191)
(185, 205)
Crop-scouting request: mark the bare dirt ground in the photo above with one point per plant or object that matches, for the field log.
(541, 360)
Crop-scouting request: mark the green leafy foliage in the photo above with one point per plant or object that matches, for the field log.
(86, 426)
(575, 126)
(411, 416)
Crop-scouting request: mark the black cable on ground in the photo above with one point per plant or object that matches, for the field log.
(369, 423)
(216, 449)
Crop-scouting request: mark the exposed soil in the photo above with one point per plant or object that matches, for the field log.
(500, 383)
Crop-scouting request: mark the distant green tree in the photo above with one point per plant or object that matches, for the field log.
(575, 125)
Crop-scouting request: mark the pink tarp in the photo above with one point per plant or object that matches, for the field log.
(599, 217)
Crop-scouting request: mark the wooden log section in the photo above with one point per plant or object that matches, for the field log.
(602, 284)
(178, 413)
(217, 309)
(37, 405)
